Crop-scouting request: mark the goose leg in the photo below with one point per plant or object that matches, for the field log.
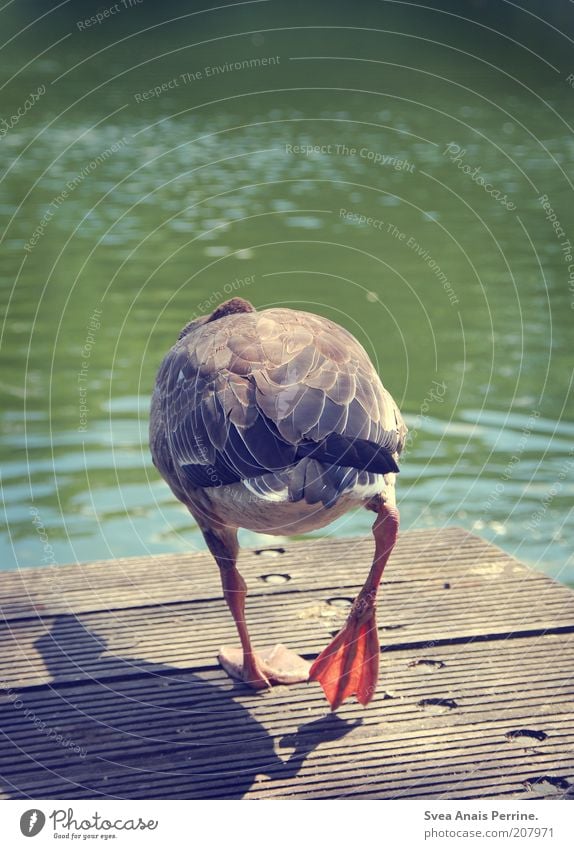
(257, 669)
(350, 664)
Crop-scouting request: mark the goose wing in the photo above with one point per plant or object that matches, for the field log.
(254, 393)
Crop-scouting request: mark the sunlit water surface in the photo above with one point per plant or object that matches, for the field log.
(198, 202)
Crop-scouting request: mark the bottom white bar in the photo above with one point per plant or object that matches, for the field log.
(285, 824)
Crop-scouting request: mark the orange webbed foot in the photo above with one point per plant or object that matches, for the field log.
(278, 665)
(350, 664)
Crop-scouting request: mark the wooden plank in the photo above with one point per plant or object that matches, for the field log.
(475, 698)
(196, 735)
(399, 693)
(131, 582)
(188, 635)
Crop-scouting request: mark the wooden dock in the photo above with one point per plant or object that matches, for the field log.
(110, 687)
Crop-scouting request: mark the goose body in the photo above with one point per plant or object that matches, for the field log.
(275, 421)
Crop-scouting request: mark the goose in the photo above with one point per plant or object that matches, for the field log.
(276, 421)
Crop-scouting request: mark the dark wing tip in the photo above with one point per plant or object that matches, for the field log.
(361, 454)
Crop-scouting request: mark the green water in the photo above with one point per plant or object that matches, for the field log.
(127, 210)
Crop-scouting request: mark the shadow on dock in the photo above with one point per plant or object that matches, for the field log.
(150, 731)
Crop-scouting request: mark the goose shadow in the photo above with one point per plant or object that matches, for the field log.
(112, 727)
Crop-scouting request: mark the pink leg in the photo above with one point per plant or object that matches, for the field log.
(258, 669)
(350, 664)
(235, 592)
